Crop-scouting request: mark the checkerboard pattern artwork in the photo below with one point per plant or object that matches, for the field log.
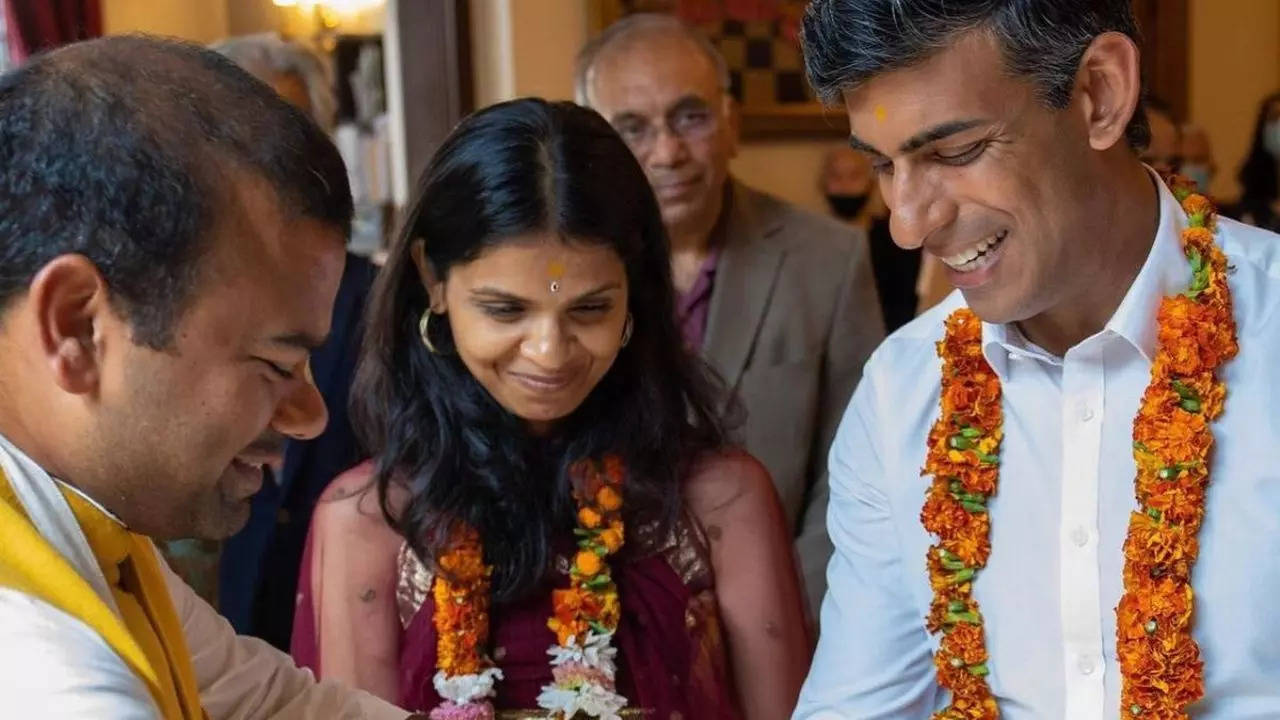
(765, 68)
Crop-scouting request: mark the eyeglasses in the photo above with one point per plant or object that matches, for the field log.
(689, 124)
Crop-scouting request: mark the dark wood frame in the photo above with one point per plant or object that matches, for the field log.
(435, 68)
(1165, 50)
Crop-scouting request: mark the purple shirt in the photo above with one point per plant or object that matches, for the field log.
(692, 307)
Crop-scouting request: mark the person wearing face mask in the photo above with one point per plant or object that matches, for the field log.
(1260, 200)
(1196, 151)
(1162, 151)
(848, 181)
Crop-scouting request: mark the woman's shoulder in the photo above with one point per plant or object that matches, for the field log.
(728, 478)
(350, 504)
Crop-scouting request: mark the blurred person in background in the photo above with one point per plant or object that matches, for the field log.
(1162, 152)
(848, 183)
(780, 301)
(1198, 164)
(1260, 192)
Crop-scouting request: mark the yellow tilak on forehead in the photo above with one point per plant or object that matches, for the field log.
(881, 113)
(555, 270)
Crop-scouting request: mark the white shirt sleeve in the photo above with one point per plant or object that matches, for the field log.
(244, 678)
(873, 660)
(54, 666)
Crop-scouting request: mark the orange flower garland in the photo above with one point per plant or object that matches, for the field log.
(591, 600)
(1159, 660)
(465, 675)
(461, 594)
(963, 454)
(586, 614)
(1160, 663)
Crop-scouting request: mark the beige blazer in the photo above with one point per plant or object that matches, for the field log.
(793, 317)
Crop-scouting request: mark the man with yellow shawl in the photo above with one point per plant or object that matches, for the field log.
(171, 241)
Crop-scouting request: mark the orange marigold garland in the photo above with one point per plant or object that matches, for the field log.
(963, 458)
(464, 673)
(586, 614)
(1159, 660)
(1160, 663)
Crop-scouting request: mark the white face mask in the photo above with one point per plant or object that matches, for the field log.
(1198, 173)
(1271, 138)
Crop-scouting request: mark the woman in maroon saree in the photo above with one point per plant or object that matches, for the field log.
(524, 321)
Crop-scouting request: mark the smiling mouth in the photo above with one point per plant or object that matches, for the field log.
(544, 383)
(676, 187)
(978, 256)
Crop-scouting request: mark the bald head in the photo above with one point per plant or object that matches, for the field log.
(651, 30)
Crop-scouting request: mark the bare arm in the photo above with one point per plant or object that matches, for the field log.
(353, 578)
(757, 587)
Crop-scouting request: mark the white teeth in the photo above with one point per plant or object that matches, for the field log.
(970, 259)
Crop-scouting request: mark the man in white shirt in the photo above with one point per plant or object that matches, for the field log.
(1005, 135)
(171, 237)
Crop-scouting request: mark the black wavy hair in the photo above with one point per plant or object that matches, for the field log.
(1260, 176)
(516, 168)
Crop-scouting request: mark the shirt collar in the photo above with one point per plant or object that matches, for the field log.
(1164, 273)
(68, 487)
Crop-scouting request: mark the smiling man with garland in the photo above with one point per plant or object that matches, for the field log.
(1095, 411)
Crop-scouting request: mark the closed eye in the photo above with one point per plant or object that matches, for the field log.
(279, 371)
(592, 308)
(962, 156)
(504, 312)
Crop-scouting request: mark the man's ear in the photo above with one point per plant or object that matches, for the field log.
(1109, 86)
(67, 299)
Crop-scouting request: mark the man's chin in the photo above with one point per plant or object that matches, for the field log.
(231, 518)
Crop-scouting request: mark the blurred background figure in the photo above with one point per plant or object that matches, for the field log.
(295, 73)
(1162, 151)
(1197, 156)
(1260, 195)
(849, 184)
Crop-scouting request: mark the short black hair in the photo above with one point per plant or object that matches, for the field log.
(847, 42)
(119, 148)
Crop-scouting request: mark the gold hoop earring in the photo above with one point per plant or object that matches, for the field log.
(424, 331)
(628, 329)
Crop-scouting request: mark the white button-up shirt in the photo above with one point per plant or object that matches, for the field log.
(1060, 515)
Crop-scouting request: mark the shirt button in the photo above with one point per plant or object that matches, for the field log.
(1080, 536)
(1084, 411)
(1085, 663)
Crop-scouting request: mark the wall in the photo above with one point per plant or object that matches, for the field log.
(1234, 62)
(200, 20)
(788, 169)
(246, 17)
(528, 48)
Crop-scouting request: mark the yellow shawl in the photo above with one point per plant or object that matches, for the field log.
(149, 639)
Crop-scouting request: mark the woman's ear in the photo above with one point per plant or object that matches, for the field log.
(427, 274)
